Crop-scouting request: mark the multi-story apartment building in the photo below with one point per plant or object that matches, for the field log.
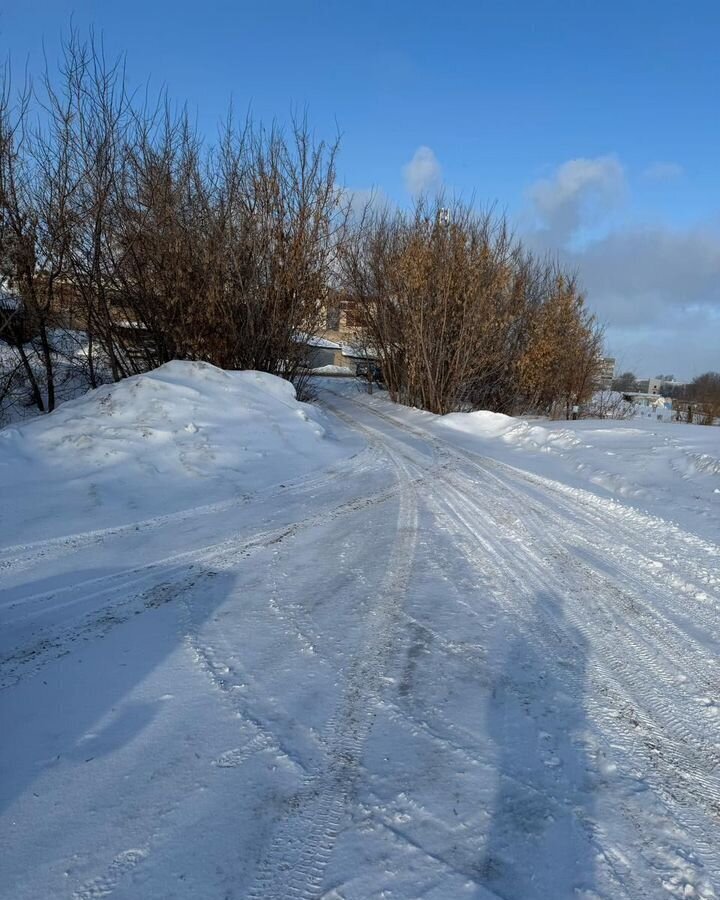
(606, 373)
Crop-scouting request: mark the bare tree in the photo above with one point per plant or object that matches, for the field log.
(625, 382)
(18, 226)
(705, 393)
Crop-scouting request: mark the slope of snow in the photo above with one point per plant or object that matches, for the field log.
(185, 434)
(512, 431)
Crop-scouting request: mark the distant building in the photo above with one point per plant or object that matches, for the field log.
(606, 373)
(663, 387)
(650, 406)
(343, 329)
(343, 322)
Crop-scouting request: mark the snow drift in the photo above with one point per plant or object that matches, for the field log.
(670, 469)
(185, 434)
(513, 431)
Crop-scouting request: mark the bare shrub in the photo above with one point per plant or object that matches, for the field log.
(116, 219)
(608, 405)
(461, 316)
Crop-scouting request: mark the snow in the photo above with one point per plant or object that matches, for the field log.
(154, 444)
(312, 340)
(353, 650)
(358, 351)
(70, 361)
(333, 370)
(513, 431)
(669, 469)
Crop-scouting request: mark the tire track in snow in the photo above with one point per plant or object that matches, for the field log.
(295, 862)
(620, 649)
(238, 543)
(19, 557)
(626, 520)
(639, 604)
(632, 612)
(556, 648)
(678, 762)
(49, 642)
(627, 683)
(631, 603)
(449, 736)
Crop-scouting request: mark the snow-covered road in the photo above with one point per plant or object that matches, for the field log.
(420, 672)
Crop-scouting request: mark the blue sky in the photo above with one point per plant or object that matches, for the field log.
(595, 125)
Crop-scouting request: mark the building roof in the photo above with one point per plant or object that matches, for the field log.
(313, 340)
(355, 351)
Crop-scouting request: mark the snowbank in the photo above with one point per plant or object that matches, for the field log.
(312, 340)
(670, 469)
(512, 431)
(186, 434)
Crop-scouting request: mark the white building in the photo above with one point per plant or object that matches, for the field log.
(661, 386)
(606, 373)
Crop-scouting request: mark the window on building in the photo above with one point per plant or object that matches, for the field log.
(352, 317)
(333, 318)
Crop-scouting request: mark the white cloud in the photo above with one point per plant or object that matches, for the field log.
(663, 171)
(658, 291)
(423, 173)
(643, 275)
(684, 343)
(365, 200)
(656, 287)
(578, 192)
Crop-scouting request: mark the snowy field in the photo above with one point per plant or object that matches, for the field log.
(252, 648)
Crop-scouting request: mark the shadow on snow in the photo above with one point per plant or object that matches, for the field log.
(538, 844)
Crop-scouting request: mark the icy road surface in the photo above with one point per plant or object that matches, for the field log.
(417, 673)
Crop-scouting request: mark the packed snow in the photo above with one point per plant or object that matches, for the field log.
(254, 648)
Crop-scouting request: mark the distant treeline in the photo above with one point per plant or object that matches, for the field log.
(699, 399)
